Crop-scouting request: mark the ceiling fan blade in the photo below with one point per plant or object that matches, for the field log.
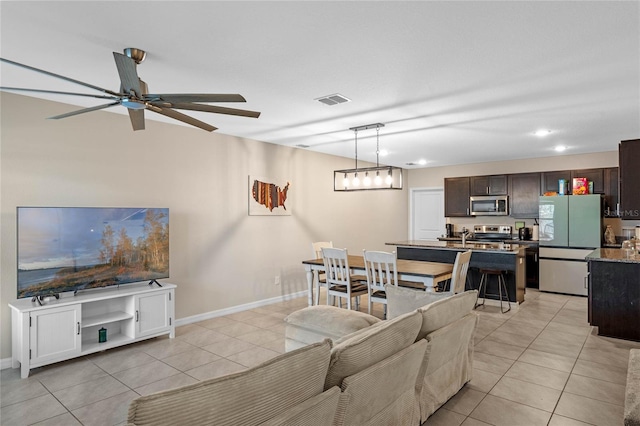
(128, 74)
(195, 97)
(82, 111)
(91, 86)
(55, 92)
(181, 117)
(209, 108)
(137, 118)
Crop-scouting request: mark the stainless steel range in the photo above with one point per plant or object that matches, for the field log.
(492, 232)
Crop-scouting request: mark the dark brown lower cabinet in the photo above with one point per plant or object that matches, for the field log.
(614, 298)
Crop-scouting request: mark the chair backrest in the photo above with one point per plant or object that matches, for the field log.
(381, 268)
(318, 246)
(336, 266)
(459, 274)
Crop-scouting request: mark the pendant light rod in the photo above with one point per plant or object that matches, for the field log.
(367, 127)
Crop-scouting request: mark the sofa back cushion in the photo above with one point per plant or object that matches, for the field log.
(445, 311)
(371, 345)
(250, 397)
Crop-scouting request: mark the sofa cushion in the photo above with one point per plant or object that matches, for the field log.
(402, 300)
(317, 411)
(250, 397)
(367, 347)
(316, 323)
(445, 311)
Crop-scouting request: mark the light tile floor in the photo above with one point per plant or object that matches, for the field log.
(539, 365)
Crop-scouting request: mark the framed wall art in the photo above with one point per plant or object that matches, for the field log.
(268, 197)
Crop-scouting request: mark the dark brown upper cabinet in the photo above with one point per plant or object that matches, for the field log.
(629, 163)
(593, 175)
(456, 197)
(489, 185)
(550, 180)
(611, 198)
(524, 190)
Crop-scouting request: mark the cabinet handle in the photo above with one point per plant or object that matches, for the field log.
(78, 328)
(488, 192)
(137, 317)
(586, 282)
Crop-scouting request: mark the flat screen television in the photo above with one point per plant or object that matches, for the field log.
(62, 249)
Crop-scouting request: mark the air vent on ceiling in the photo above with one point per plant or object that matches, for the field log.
(334, 99)
(301, 145)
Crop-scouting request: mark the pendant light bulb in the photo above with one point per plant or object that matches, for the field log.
(378, 179)
(388, 180)
(345, 181)
(367, 180)
(356, 180)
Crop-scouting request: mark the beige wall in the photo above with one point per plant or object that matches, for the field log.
(220, 256)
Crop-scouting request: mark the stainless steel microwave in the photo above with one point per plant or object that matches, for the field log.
(489, 205)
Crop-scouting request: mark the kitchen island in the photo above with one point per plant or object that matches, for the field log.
(504, 256)
(614, 293)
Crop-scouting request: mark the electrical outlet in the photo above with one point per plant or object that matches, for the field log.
(277, 280)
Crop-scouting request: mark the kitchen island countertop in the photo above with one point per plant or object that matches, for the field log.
(505, 248)
(612, 255)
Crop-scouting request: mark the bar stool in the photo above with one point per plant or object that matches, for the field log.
(486, 273)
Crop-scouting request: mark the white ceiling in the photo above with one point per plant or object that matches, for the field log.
(453, 82)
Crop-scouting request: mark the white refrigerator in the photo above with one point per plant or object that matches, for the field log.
(570, 229)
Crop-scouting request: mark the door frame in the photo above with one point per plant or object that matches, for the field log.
(412, 192)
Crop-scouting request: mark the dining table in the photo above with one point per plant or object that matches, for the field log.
(427, 273)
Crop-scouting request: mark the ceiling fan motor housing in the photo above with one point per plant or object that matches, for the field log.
(137, 55)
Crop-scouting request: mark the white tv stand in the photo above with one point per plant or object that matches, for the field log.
(68, 327)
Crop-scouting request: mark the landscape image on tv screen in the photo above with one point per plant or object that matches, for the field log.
(63, 249)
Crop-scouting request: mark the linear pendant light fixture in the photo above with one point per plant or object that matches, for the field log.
(368, 178)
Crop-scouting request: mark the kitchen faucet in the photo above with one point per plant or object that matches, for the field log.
(464, 235)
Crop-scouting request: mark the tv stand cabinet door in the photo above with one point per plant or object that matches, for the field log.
(153, 313)
(54, 334)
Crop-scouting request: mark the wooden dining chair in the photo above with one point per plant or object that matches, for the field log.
(381, 269)
(338, 276)
(459, 273)
(320, 278)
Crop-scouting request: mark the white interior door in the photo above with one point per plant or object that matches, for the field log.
(426, 212)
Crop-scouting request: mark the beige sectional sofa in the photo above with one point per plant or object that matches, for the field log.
(341, 368)
(445, 328)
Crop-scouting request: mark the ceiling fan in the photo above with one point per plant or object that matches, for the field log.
(134, 95)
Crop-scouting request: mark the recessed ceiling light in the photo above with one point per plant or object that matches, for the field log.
(383, 152)
(422, 162)
(542, 133)
(560, 148)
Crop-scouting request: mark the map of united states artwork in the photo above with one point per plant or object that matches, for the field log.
(268, 196)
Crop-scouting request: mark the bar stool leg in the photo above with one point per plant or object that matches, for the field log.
(502, 284)
(483, 284)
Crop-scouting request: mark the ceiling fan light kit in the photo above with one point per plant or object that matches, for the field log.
(359, 179)
(134, 95)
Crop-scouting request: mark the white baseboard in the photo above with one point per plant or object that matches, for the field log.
(6, 363)
(239, 308)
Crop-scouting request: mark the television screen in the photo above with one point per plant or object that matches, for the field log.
(64, 249)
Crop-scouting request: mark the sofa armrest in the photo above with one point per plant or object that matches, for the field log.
(632, 391)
